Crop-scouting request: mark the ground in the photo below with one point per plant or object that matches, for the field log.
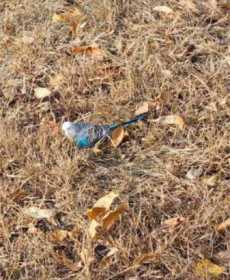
(175, 58)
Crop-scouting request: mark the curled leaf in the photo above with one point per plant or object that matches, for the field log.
(173, 222)
(72, 17)
(102, 205)
(92, 51)
(205, 268)
(173, 119)
(210, 181)
(38, 213)
(224, 226)
(117, 136)
(58, 235)
(93, 227)
(112, 216)
(144, 108)
(40, 92)
(194, 173)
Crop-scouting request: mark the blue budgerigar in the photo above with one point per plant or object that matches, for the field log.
(86, 135)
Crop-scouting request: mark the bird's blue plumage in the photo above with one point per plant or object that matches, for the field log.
(86, 135)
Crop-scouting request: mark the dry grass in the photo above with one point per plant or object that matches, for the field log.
(183, 58)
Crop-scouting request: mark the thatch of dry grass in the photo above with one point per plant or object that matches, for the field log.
(181, 57)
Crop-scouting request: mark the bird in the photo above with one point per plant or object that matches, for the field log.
(87, 135)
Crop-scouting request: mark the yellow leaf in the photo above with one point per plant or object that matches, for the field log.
(38, 213)
(93, 226)
(163, 9)
(205, 268)
(144, 108)
(117, 136)
(173, 119)
(102, 205)
(173, 222)
(40, 92)
(92, 51)
(224, 226)
(112, 216)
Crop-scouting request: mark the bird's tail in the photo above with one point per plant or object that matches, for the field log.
(140, 117)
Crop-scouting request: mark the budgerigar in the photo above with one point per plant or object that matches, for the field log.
(86, 135)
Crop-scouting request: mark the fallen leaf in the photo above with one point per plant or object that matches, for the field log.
(40, 92)
(27, 40)
(58, 235)
(210, 181)
(93, 226)
(92, 51)
(194, 173)
(173, 222)
(172, 119)
(111, 217)
(205, 268)
(163, 9)
(117, 136)
(224, 226)
(72, 17)
(144, 108)
(102, 205)
(38, 213)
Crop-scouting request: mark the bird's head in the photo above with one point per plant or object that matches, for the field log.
(69, 129)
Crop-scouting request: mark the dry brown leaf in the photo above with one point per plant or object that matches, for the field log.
(92, 51)
(173, 119)
(111, 217)
(205, 268)
(102, 205)
(96, 213)
(224, 226)
(93, 226)
(210, 181)
(144, 108)
(173, 222)
(58, 235)
(194, 173)
(38, 213)
(40, 92)
(72, 17)
(163, 9)
(117, 136)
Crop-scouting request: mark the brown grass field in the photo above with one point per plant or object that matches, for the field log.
(177, 60)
